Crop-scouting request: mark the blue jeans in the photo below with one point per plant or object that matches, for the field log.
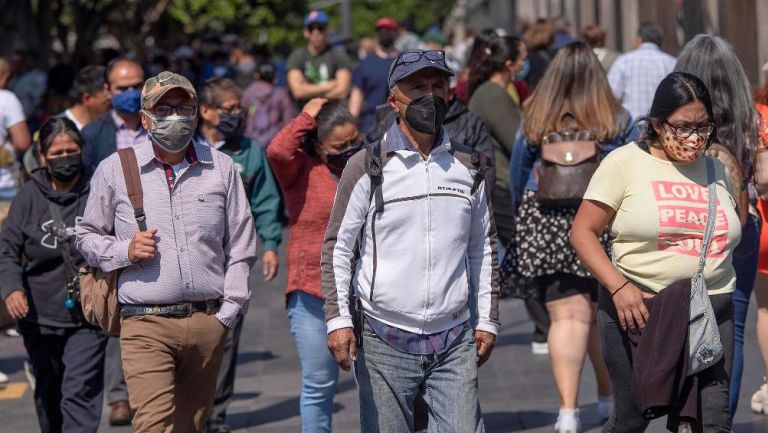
(388, 381)
(745, 258)
(319, 372)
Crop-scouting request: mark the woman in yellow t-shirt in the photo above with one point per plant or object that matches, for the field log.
(652, 195)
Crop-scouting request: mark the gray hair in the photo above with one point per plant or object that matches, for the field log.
(714, 61)
(649, 31)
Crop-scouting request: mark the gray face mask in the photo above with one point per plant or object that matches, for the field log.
(172, 133)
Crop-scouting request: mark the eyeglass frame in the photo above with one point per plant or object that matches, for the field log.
(693, 130)
(174, 109)
(422, 53)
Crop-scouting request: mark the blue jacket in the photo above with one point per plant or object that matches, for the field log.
(526, 155)
(100, 138)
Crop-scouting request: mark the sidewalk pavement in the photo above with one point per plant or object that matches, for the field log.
(516, 388)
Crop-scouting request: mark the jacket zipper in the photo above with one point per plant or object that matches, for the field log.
(429, 242)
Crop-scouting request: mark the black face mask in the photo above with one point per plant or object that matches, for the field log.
(426, 113)
(337, 161)
(229, 125)
(387, 40)
(65, 168)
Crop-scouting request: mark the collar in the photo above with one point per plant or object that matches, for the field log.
(649, 46)
(230, 147)
(120, 123)
(396, 141)
(196, 152)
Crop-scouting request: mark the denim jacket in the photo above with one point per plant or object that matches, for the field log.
(526, 156)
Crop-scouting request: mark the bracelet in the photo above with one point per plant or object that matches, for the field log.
(621, 287)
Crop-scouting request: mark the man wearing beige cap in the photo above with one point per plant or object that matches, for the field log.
(184, 280)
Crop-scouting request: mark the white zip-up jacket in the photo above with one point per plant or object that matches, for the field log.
(421, 258)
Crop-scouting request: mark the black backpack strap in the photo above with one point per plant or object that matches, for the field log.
(373, 167)
(480, 162)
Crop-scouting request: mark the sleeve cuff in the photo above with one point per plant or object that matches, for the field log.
(120, 259)
(228, 314)
(339, 323)
(269, 245)
(487, 326)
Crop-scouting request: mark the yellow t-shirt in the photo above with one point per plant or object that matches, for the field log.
(661, 212)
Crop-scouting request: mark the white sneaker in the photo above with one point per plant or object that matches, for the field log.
(684, 428)
(760, 400)
(605, 406)
(3, 380)
(539, 348)
(568, 421)
(12, 332)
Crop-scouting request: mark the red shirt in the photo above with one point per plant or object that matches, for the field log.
(309, 189)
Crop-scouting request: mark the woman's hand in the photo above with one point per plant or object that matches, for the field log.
(630, 307)
(17, 304)
(313, 106)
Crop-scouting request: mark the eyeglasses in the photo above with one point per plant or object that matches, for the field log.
(413, 56)
(686, 131)
(181, 110)
(235, 109)
(316, 27)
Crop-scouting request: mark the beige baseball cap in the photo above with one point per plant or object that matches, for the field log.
(157, 86)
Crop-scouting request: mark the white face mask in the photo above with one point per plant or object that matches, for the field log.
(172, 133)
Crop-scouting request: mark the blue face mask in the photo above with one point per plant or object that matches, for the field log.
(128, 101)
(524, 72)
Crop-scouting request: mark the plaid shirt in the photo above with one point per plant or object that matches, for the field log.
(206, 243)
(635, 75)
(125, 136)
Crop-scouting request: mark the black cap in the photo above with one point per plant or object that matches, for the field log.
(409, 62)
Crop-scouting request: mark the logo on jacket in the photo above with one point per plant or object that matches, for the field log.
(53, 236)
(450, 189)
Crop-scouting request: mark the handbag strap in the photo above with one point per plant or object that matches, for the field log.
(709, 231)
(133, 185)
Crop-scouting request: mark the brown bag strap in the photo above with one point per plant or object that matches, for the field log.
(133, 185)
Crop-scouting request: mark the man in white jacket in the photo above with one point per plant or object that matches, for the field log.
(411, 241)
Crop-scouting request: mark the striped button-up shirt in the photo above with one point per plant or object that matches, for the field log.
(125, 136)
(206, 244)
(635, 75)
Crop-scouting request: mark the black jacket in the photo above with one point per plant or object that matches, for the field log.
(29, 259)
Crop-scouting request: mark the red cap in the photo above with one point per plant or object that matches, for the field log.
(387, 23)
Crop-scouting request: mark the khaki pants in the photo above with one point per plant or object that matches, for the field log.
(170, 366)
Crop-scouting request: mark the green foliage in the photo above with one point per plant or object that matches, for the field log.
(273, 21)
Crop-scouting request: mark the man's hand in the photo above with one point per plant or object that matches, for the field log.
(270, 265)
(142, 246)
(313, 106)
(341, 343)
(485, 341)
(17, 304)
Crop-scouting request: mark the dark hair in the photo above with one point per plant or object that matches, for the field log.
(674, 91)
(54, 127)
(593, 35)
(649, 31)
(266, 72)
(90, 79)
(713, 60)
(332, 114)
(213, 90)
(491, 59)
(112, 63)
